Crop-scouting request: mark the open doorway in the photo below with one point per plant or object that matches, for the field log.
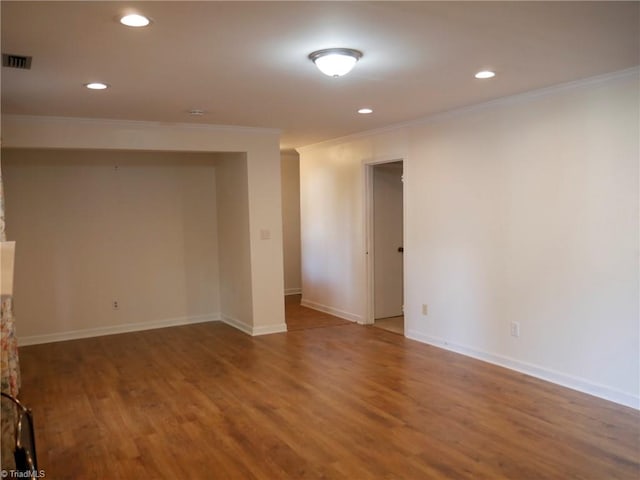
(386, 245)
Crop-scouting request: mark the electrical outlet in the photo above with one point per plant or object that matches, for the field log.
(515, 329)
(115, 305)
(425, 309)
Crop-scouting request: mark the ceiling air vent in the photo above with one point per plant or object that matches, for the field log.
(16, 61)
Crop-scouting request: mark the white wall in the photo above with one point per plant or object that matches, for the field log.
(234, 240)
(261, 147)
(520, 210)
(94, 227)
(290, 175)
(265, 229)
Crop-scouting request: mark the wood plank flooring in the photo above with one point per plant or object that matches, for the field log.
(208, 402)
(302, 318)
(391, 324)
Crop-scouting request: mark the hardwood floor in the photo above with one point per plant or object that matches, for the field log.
(302, 318)
(391, 324)
(208, 402)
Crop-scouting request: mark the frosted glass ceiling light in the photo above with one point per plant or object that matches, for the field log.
(485, 74)
(96, 86)
(135, 20)
(335, 62)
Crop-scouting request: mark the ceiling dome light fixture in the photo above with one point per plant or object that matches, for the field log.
(485, 74)
(96, 86)
(335, 62)
(135, 20)
(365, 111)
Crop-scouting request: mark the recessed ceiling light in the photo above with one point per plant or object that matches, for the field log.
(335, 62)
(196, 112)
(135, 20)
(365, 111)
(96, 85)
(485, 74)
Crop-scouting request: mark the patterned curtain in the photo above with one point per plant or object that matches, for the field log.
(3, 235)
(10, 370)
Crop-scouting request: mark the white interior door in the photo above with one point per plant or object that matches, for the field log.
(388, 240)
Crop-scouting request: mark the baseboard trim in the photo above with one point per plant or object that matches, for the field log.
(292, 291)
(237, 324)
(115, 329)
(269, 329)
(352, 317)
(251, 330)
(542, 373)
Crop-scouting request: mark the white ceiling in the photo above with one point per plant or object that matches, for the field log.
(245, 63)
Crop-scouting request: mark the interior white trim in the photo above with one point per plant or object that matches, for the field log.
(585, 82)
(292, 291)
(237, 324)
(352, 317)
(564, 380)
(269, 329)
(254, 331)
(115, 329)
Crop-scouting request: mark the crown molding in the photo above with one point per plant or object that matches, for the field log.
(502, 101)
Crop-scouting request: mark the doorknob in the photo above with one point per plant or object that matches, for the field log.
(401, 249)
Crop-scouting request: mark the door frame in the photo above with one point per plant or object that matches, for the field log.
(369, 246)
